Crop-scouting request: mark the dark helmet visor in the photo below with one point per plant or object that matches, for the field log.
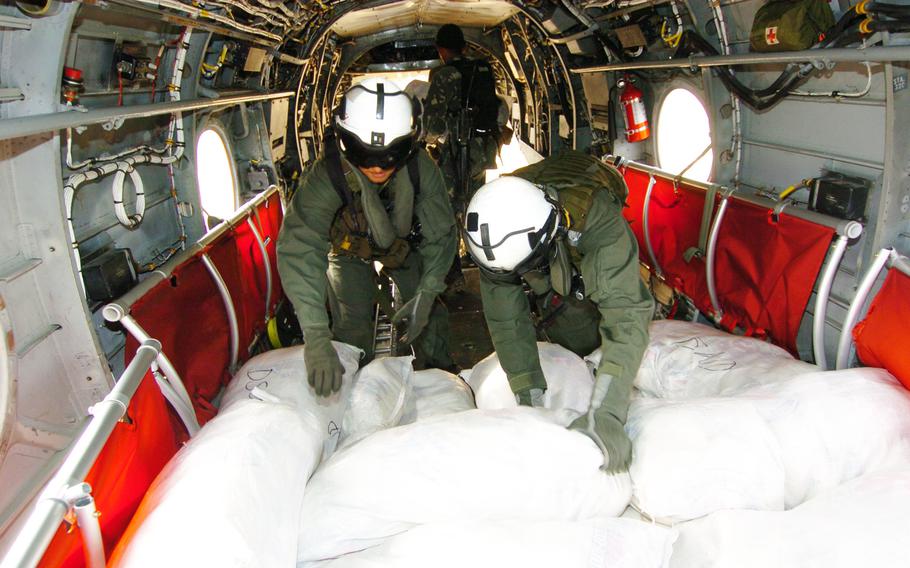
(362, 155)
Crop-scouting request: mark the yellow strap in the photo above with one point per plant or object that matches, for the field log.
(272, 331)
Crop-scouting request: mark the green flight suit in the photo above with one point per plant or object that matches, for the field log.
(606, 255)
(311, 272)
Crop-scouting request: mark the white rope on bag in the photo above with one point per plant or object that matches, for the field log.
(128, 221)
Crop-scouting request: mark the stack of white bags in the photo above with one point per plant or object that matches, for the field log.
(745, 455)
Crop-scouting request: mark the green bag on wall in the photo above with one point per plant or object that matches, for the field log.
(790, 25)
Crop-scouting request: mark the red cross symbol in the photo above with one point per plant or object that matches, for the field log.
(771, 36)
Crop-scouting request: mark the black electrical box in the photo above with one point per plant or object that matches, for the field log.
(840, 196)
(109, 275)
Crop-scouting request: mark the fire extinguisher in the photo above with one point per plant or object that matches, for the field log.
(634, 113)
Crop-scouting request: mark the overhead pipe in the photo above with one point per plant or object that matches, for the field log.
(37, 124)
(827, 55)
(58, 495)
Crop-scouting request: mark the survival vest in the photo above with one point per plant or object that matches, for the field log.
(350, 231)
(576, 177)
(478, 93)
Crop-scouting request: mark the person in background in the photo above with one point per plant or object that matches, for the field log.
(557, 226)
(371, 197)
(461, 122)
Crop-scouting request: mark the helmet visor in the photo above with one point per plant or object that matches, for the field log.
(361, 155)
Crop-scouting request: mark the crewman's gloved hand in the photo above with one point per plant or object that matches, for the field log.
(323, 368)
(416, 313)
(530, 397)
(610, 436)
(603, 426)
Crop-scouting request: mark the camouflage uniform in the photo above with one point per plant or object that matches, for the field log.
(441, 108)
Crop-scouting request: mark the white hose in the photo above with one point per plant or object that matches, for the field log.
(202, 13)
(175, 144)
(134, 220)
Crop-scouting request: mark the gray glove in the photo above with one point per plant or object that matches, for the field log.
(416, 313)
(530, 397)
(323, 368)
(607, 431)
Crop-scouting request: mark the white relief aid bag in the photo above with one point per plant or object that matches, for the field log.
(478, 465)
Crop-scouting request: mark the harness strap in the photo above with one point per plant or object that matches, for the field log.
(706, 216)
(336, 171)
(414, 175)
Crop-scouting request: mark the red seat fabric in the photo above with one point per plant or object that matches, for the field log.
(764, 270)
(187, 315)
(882, 338)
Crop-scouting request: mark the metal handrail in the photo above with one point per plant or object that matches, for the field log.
(852, 229)
(885, 54)
(40, 123)
(67, 487)
(885, 256)
(846, 230)
(118, 311)
(120, 307)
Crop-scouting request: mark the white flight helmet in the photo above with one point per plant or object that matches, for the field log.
(375, 124)
(509, 226)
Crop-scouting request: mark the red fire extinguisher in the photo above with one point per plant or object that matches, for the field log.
(634, 113)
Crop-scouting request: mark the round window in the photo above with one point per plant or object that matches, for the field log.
(684, 136)
(215, 174)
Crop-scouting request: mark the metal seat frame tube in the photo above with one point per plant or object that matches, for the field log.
(266, 262)
(711, 253)
(845, 343)
(228, 307)
(646, 229)
(821, 301)
(182, 403)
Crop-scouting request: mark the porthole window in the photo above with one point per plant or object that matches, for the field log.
(215, 174)
(684, 136)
